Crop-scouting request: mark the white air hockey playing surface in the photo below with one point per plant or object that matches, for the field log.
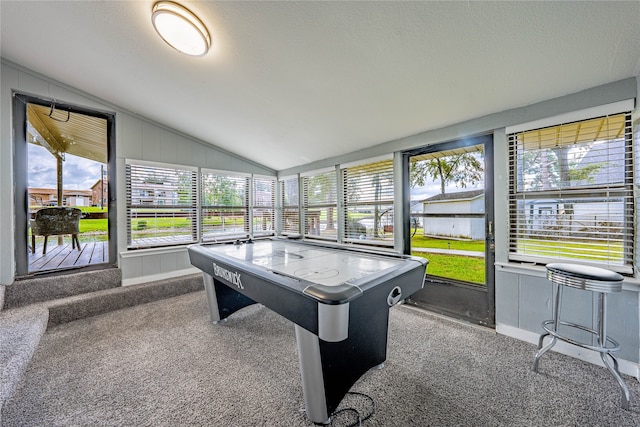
(318, 265)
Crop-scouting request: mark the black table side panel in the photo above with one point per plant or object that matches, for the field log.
(229, 300)
(293, 306)
(346, 361)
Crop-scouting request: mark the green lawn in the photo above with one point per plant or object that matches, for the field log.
(93, 225)
(571, 250)
(139, 224)
(457, 267)
(467, 269)
(419, 241)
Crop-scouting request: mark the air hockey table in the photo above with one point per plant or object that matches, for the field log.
(337, 298)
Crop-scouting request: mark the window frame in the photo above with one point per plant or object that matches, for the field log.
(266, 205)
(220, 207)
(355, 176)
(566, 196)
(289, 207)
(143, 167)
(310, 231)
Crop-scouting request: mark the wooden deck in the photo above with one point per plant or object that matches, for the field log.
(64, 256)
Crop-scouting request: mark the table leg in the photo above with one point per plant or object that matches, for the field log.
(312, 376)
(222, 300)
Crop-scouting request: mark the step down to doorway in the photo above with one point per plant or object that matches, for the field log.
(94, 303)
(20, 332)
(33, 290)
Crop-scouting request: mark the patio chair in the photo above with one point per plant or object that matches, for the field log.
(55, 222)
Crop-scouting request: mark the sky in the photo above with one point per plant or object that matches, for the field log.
(78, 173)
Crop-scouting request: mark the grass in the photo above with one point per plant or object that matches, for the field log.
(420, 241)
(464, 268)
(139, 224)
(93, 225)
(571, 250)
(452, 266)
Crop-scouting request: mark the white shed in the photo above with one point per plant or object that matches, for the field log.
(455, 203)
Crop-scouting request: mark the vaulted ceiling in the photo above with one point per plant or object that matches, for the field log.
(288, 83)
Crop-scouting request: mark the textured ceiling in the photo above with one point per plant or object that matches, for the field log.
(288, 83)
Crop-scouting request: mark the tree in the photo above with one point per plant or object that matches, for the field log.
(221, 191)
(459, 169)
(560, 167)
(557, 168)
(321, 189)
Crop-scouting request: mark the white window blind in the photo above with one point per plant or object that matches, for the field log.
(264, 199)
(224, 202)
(320, 201)
(571, 193)
(290, 202)
(368, 203)
(161, 205)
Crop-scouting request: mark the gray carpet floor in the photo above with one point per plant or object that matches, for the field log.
(164, 364)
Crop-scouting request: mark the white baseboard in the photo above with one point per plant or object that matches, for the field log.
(160, 276)
(625, 366)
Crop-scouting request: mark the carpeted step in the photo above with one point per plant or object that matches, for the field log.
(36, 290)
(20, 332)
(99, 302)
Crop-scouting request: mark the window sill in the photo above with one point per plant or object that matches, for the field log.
(536, 270)
(152, 251)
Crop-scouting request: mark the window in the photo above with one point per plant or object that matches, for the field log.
(290, 198)
(571, 193)
(264, 197)
(161, 205)
(320, 198)
(368, 203)
(224, 201)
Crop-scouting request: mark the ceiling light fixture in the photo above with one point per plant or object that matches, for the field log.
(180, 28)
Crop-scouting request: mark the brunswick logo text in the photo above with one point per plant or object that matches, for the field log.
(229, 276)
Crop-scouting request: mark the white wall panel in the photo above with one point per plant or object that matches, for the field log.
(151, 142)
(534, 304)
(131, 267)
(128, 132)
(507, 295)
(32, 85)
(151, 265)
(169, 147)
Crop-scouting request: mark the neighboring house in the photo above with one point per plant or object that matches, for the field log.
(588, 214)
(155, 193)
(49, 197)
(549, 217)
(454, 203)
(99, 193)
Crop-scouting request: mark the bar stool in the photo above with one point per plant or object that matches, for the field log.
(593, 279)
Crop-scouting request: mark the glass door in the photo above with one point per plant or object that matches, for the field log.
(451, 225)
(64, 158)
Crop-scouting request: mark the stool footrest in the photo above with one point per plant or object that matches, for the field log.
(549, 326)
